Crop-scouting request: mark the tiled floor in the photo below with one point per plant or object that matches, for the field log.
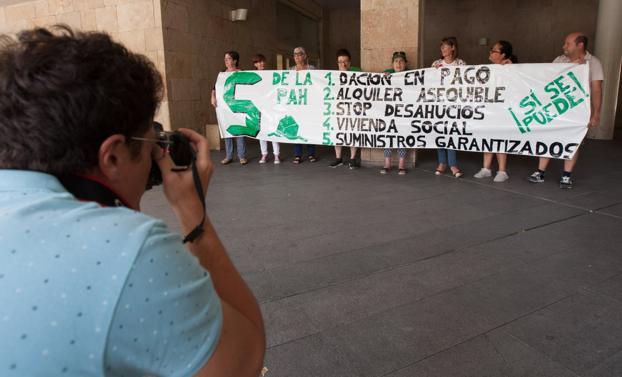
(360, 274)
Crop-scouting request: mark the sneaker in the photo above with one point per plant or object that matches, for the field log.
(337, 162)
(536, 177)
(264, 159)
(243, 161)
(501, 177)
(483, 173)
(353, 164)
(226, 161)
(565, 182)
(277, 160)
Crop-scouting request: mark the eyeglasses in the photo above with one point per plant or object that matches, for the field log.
(299, 54)
(159, 146)
(151, 140)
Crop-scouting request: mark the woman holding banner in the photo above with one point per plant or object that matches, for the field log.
(399, 64)
(259, 62)
(300, 58)
(344, 63)
(500, 53)
(232, 59)
(449, 57)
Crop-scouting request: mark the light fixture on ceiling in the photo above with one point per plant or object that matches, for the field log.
(239, 14)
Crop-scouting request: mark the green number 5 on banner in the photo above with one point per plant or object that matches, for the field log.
(253, 115)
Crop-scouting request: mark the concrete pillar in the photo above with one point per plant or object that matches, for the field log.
(609, 50)
(388, 26)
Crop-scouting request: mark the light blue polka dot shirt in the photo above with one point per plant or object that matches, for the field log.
(93, 291)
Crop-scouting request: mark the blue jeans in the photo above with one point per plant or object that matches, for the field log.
(447, 154)
(298, 150)
(229, 147)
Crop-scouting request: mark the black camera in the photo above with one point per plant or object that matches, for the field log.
(179, 149)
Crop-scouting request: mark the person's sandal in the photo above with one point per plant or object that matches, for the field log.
(385, 170)
(297, 160)
(226, 161)
(439, 171)
(312, 158)
(401, 172)
(458, 173)
(264, 159)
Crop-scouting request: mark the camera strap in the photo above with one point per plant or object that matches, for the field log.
(86, 188)
(198, 230)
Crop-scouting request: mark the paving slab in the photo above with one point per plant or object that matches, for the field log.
(492, 354)
(580, 332)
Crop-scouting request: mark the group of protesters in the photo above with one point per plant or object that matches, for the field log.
(501, 52)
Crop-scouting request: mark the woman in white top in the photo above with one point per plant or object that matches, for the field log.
(259, 62)
(449, 57)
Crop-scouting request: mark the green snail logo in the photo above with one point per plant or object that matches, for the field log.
(287, 128)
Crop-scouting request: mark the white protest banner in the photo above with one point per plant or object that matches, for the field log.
(527, 109)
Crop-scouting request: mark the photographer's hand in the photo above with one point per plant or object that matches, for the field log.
(243, 330)
(179, 187)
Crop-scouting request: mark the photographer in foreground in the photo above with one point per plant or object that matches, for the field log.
(89, 285)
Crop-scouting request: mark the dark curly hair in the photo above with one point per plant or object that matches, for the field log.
(507, 51)
(62, 93)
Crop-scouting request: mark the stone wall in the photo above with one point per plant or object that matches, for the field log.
(536, 28)
(388, 26)
(343, 30)
(135, 23)
(197, 33)
(186, 39)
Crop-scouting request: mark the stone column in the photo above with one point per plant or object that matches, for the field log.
(135, 23)
(609, 50)
(388, 26)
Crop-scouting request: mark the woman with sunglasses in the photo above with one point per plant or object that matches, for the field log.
(449, 58)
(500, 53)
(399, 64)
